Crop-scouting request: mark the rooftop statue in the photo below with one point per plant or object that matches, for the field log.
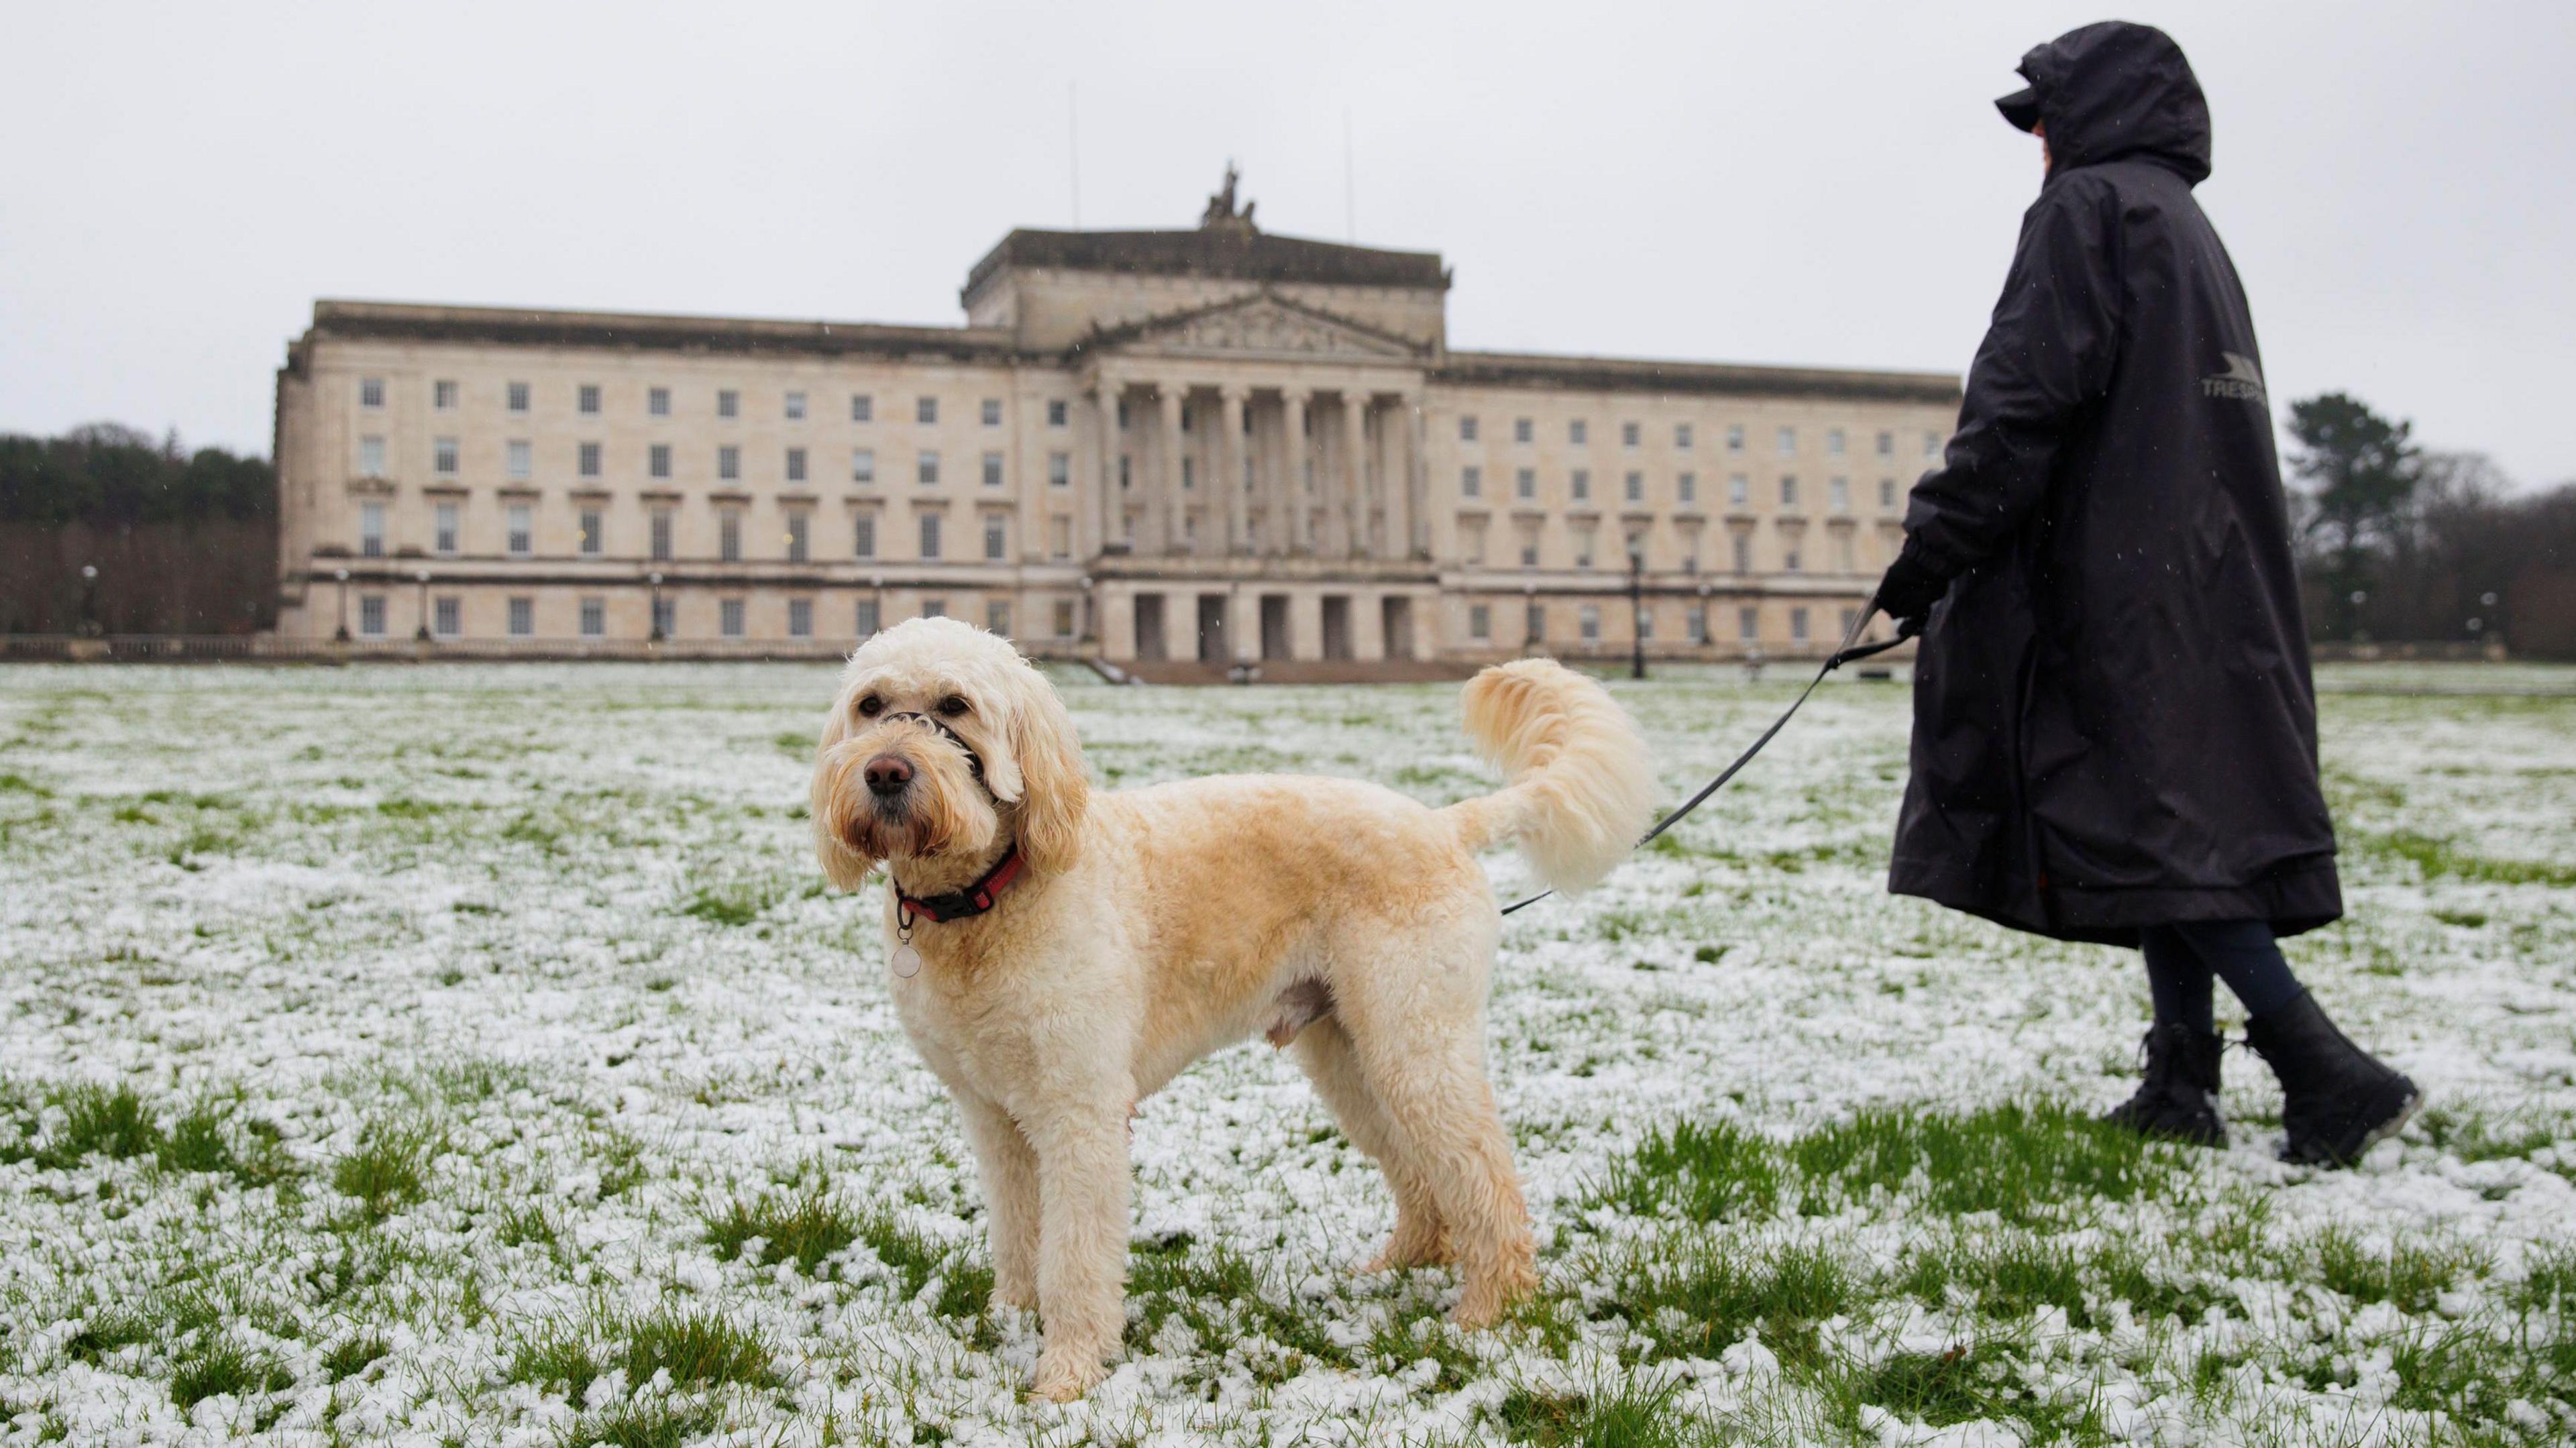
(1220, 208)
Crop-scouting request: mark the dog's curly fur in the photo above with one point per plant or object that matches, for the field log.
(1156, 925)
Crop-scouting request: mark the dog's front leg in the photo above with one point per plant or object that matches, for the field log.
(1008, 1169)
(1082, 1240)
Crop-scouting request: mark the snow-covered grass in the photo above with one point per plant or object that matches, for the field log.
(473, 1055)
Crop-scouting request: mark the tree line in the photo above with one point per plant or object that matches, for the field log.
(106, 530)
(115, 477)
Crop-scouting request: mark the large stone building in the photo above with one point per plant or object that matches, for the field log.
(1205, 445)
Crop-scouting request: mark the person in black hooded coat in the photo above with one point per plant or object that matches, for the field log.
(2114, 726)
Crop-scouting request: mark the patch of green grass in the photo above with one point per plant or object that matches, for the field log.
(803, 1229)
(2438, 859)
(2020, 1160)
(2015, 1277)
(1627, 1415)
(737, 904)
(105, 1332)
(1964, 1384)
(1696, 1172)
(104, 1121)
(2477, 1136)
(21, 784)
(352, 1356)
(654, 1425)
(694, 1348)
(2548, 1282)
(524, 1226)
(388, 1170)
(965, 1285)
(1218, 1292)
(1725, 1291)
(556, 1355)
(2408, 1274)
(223, 1367)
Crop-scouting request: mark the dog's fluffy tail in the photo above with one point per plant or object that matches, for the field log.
(1580, 790)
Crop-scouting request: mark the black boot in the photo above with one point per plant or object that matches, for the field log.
(2337, 1101)
(2179, 1098)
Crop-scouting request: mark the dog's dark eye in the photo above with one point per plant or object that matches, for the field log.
(952, 706)
(871, 706)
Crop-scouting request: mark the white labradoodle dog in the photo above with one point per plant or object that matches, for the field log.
(1136, 932)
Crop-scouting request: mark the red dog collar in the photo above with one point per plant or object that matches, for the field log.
(974, 900)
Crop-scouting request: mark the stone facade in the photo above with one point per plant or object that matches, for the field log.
(1210, 445)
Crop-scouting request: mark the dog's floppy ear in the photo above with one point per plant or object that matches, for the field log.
(1053, 793)
(842, 865)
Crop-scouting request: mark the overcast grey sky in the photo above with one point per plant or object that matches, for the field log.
(1820, 184)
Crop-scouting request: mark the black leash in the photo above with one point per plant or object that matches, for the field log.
(1844, 655)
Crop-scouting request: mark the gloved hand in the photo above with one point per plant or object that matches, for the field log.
(1908, 591)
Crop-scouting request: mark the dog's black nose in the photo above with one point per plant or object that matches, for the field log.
(887, 774)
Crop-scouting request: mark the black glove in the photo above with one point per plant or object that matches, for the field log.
(1908, 592)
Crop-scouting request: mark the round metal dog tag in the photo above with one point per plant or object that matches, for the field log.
(907, 961)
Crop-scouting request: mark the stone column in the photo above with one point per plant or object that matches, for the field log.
(1228, 456)
(1353, 503)
(1296, 450)
(1168, 501)
(1109, 509)
(1404, 481)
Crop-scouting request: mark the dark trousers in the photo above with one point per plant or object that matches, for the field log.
(2183, 959)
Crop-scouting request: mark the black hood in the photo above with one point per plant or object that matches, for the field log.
(2114, 90)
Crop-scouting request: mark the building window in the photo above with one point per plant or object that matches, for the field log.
(523, 617)
(1583, 548)
(864, 617)
(1534, 622)
(796, 465)
(1838, 494)
(1588, 623)
(1471, 482)
(1695, 622)
(371, 530)
(863, 536)
(443, 527)
(930, 536)
(666, 617)
(590, 531)
(1845, 552)
(1480, 621)
(1789, 559)
(518, 397)
(992, 470)
(1739, 490)
(728, 403)
(1063, 612)
(1748, 624)
(1788, 441)
(800, 618)
(926, 467)
(447, 616)
(1525, 484)
(996, 539)
(371, 615)
(371, 457)
(661, 535)
(925, 411)
(1059, 470)
(442, 457)
(522, 528)
(1788, 490)
(1523, 429)
(1467, 429)
(1834, 441)
(1122, 417)
(863, 408)
(658, 460)
(1472, 534)
(589, 454)
(796, 407)
(863, 465)
(992, 412)
(729, 618)
(589, 398)
(1887, 492)
(1059, 413)
(1577, 432)
(1735, 437)
(1744, 553)
(1059, 537)
(371, 392)
(1797, 625)
(522, 460)
(1686, 489)
(1630, 434)
(729, 463)
(799, 535)
(1645, 625)
(729, 535)
(1887, 444)
(934, 608)
(594, 618)
(658, 402)
(442, 395)
(1931, 444)
(1682, 436)
(1636, 487)
(997, 618)
(1189, 474)
(1529, 552)
(1579, 484)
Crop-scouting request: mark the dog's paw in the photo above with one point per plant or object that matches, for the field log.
(1410, 1248)
(1066, 1375)
(1488, 1298)
(1022, 1296)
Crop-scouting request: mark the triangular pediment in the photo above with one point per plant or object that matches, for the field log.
(1263, 326)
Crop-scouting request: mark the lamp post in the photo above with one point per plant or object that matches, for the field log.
(89, 600)
(1707, 628)
(1090, 612)
(655, 579)
(1636, 613)
(343, 635)
(876, 598)
(1529, 619)
(423, 633)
